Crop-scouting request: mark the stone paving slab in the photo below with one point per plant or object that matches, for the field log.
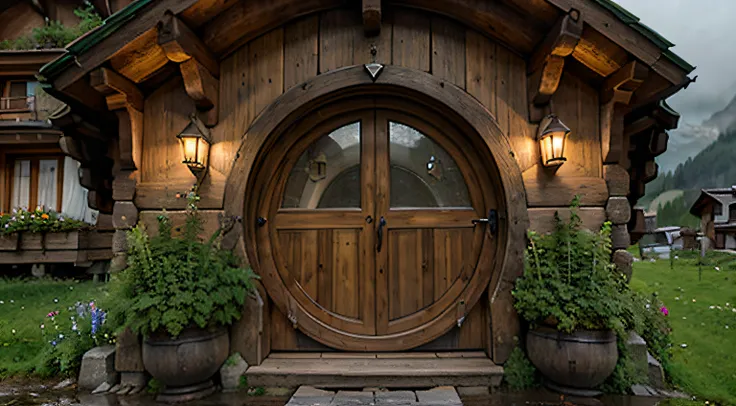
(441, 396)
(396, 398)
(309, 396)
(352, 398)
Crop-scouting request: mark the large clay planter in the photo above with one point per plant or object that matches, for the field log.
(573, 363)
(186, 365)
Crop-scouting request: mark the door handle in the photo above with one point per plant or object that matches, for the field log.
(381, 224)
(492, 221)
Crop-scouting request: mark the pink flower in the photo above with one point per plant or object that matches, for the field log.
(664, 311)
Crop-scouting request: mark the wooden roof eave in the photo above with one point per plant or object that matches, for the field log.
(697, 208)
(26, 62)
(123, 27)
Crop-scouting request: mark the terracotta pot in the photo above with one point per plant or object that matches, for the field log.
(583, 359)
(186, 364)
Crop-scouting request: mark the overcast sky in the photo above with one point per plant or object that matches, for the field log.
(704, 33)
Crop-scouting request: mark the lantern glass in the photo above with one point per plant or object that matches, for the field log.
(196, 151)
(552, 140)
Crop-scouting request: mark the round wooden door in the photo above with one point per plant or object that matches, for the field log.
(368, 239)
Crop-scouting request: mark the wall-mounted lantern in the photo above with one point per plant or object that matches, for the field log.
(552, 138)
(195, 144)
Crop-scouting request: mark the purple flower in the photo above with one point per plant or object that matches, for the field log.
(61, 218)
(53, 343)
(664, 311)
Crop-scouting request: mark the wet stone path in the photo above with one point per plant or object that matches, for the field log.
(441, 396)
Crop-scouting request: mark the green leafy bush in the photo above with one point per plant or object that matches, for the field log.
(55, 34)
(570, 282)
(518, 371)
(69, 337)
(174, 283)
(37, 221)
(654, 327)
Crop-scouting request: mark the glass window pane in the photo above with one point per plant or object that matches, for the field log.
(327, 174)
(48, 170)
(422, 173)
(21, 184)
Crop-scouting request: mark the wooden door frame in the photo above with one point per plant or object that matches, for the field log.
(464, 110)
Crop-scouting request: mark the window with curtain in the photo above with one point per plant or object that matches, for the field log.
(36, 181)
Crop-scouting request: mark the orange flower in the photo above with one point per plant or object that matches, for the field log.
(45, 216)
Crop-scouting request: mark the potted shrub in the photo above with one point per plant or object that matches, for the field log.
(576, 305)
(180, 294)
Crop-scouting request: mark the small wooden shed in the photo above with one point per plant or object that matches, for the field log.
(378, 163)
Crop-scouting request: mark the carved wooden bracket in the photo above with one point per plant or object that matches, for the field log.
(372, 17)
(127, 101)
(199, 67)
(616, 94)
(548, 62)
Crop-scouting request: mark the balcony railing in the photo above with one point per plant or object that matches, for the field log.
(21, 108)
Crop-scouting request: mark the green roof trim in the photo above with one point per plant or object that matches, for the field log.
(84, 43)
(667, 108)
(677, 60)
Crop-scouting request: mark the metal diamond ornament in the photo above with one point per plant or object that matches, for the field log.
(374, 70)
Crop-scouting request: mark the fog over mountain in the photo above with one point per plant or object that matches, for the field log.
(702, 31)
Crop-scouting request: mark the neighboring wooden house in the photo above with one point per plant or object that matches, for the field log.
(377, 163)
(717, 211)
(33, 169)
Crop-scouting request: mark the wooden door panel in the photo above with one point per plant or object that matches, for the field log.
(423, 265)
(300, 257)
(453, 254)
(325, 265)
(408, 268)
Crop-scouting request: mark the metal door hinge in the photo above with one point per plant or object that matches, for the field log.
(460, 313)
(292, 313)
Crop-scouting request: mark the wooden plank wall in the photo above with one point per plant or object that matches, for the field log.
(257, 73)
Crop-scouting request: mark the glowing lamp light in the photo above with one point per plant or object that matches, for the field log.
(195, 144)
(552, 138)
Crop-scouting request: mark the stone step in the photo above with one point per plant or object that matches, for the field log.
(355, 373)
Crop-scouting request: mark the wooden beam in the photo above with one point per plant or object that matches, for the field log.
(372, 17)
(204, 10)
(622, 84)
(144, 20)
(658, 142)
(130, 138)
(639, 126)
(614, 29)
(248, 19)
(202, 88)
(616, 94)
(548, 62)
(141, 58)
(650, 171)
(181, 44)
(612, 131)
(560, 41)
(599, 54)
(107, 82)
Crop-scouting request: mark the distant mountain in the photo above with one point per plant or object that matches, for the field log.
(723, 120)
(712, 167)
(687, 141)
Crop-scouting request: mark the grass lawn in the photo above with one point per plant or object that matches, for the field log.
(24, 306)
(703, 318)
